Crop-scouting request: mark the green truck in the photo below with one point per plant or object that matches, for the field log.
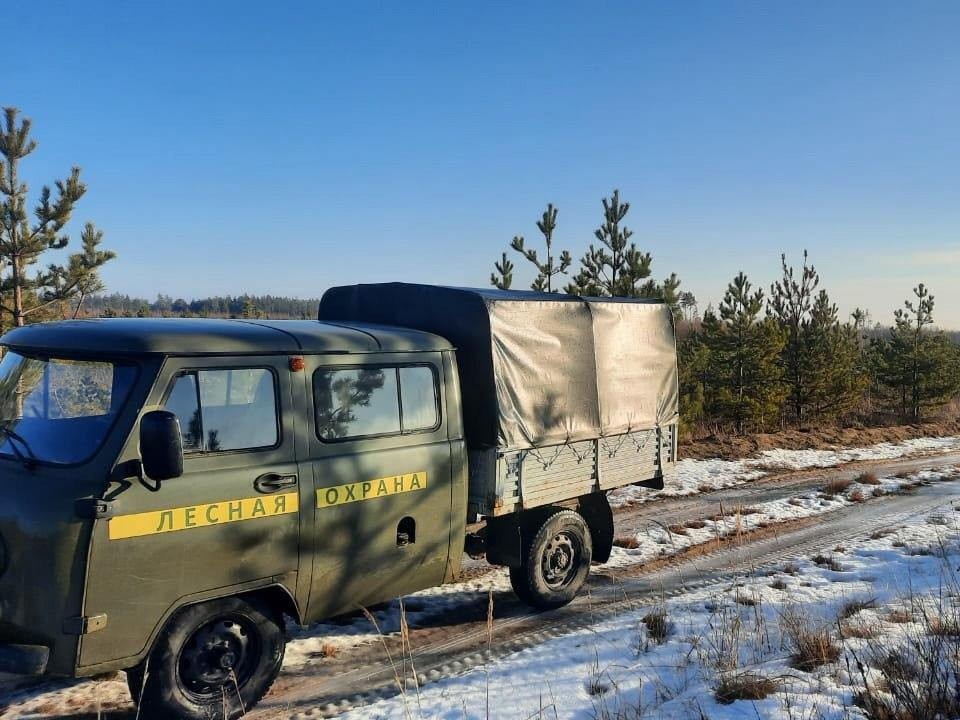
(172, 490)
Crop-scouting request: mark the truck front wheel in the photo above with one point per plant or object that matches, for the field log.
(555, 562)
(216, 659)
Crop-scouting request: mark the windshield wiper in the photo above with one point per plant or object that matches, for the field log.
(13, 437)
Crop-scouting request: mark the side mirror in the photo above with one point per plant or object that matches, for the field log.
(161, 445)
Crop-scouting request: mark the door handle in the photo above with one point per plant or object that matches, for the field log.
(273, 482)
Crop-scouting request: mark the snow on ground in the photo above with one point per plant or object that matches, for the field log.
(308, 645)
(618, 668)
(694, 476)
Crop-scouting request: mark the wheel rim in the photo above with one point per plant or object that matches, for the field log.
(561, 560)
(221, 654)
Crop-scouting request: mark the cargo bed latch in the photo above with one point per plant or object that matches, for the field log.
(92, 509)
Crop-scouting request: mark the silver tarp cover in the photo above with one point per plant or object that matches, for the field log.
(537, 369)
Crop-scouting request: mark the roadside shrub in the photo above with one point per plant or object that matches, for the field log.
(828, 562)
(658, 625)
(868, 478)
(919, 677)
(744, 686)
(900, 616)
(852, 607)
(812, 643)
(835, 487)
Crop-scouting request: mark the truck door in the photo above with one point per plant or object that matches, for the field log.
(381, 467)
(231, 521)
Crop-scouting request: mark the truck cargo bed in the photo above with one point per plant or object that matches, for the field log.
(504, 482)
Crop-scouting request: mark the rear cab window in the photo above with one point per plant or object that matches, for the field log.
(375, 401)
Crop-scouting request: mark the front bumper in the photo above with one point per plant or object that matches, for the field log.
(24, 659)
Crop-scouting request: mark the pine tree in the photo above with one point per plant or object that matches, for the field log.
(688, 305)
(791, 300)
(549, 268)
(694, 362)
(23, 243)
(743, 382)
(83, 268)
(618, 268)
(919, 366)
(503, 277)
(836, 377)
(613, 267)
(250, 310)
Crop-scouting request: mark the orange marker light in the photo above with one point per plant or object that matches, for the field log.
(297, 364)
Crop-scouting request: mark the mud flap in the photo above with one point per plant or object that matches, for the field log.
(595, 509)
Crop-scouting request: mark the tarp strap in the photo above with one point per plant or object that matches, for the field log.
(623, 439)
(646, 439)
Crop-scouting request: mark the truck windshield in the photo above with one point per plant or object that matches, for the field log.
(58, 410)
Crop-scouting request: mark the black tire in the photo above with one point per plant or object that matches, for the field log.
(214, 660)
(556, 561)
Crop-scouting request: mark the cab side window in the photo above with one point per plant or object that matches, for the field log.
(222, 410)
(374, 401)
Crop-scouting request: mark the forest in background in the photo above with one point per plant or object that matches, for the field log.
(761, 360)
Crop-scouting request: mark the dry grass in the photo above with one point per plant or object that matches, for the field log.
(852, 607)
(835, 487)
(744, 686)
(828, 562)
(746, 600)
(919, 677)
(880, 534)
(861, 631)
(900, 616)
(329, 650)
(944, 627)
(796, 502)
(908, 489)
(813, 644)
(678, 530)
(627, 543)
(779, 584)
(791, 568)
(696, 524)
(658, 625)
(857, 496)
(705, 488)
(868, 478)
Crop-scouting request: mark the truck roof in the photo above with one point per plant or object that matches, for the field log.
(201, 336)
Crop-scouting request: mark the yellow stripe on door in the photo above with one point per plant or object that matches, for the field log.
(371, 489)
(195, 516)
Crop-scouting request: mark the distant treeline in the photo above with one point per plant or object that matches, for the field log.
(227, 306)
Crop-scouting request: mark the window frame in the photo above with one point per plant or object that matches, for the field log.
(395, 366)
(277, 407)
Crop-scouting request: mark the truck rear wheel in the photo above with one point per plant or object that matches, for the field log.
(216, 659)
(555, 563)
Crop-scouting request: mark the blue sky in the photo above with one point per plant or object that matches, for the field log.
(285, 147)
